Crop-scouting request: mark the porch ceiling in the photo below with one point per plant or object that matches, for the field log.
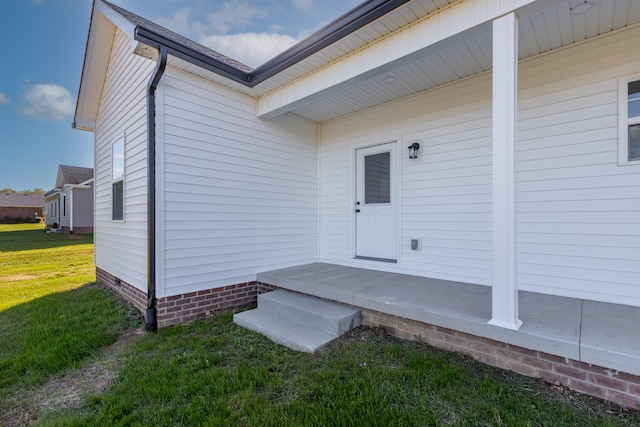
(544, 26)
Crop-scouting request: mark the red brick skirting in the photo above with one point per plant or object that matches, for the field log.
(614, 386)
(180, 308)
(78, 230)
(132, 294)
(611, 385)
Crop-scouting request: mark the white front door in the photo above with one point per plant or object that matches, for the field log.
(376, 229)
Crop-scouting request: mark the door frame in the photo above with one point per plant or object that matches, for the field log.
(395, 198)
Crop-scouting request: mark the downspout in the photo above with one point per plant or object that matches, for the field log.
(151, 317)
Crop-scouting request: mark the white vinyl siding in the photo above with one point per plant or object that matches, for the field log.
(83, 207)
(239, 193)
(445, 192)
(120, 247)
(577, 210)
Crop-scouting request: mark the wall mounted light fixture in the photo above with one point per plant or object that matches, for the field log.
(413, 150)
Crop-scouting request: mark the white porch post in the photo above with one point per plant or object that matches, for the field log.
(505, 91)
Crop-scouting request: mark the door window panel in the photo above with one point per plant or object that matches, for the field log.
(377, 178)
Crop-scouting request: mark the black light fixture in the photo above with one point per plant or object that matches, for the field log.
(413, 150)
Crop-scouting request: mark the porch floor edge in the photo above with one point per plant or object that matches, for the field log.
(560, 326)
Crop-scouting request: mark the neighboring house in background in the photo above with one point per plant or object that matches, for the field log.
(19, 207)
(69, 205)
(524, 116)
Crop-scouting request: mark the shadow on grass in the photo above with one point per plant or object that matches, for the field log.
(25, 240)
(212, 372)
(57, 331)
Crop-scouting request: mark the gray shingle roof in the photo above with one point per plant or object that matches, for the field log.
(75, 174)
(140, 21)
(20, 200)
(50, 192)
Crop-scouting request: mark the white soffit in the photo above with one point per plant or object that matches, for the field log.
(99, 43)
(400, 17)
(336, 90)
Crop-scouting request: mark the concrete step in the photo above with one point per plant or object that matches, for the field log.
(332, 318)
(300, 322)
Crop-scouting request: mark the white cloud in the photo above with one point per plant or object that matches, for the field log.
(252, 49)
(305, 5)
(181, 23)
(235, 15)
(47, 101)
(4, 99)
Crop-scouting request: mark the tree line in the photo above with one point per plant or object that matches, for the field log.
(12, 191)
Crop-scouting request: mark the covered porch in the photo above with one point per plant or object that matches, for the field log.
(594, 333)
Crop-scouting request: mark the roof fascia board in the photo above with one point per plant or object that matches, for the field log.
(450, 25)
(120, 21)
(357, 18)
(348, 23)
(55, 194)
(81, 121)
(155, 40)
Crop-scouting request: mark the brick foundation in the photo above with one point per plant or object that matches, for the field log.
(132, 294)
(177, 309)
(78, 230)
(617, 387)
(180, 308)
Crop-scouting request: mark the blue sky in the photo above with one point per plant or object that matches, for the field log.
(43, 42)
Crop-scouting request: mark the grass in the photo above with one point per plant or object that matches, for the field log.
(215, 373)
(52, 317)
(35, 264)
(212, 372)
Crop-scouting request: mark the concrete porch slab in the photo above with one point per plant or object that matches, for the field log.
(560, 326)
(611, 332)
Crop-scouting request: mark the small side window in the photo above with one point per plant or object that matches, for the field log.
(117, 180)
(629, 120)
(633, 117)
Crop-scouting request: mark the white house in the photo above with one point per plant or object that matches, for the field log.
(69, 205)
(211, 178)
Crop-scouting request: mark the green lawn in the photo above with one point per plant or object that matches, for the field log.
(35, 264)
(53, 316)
(213, 373)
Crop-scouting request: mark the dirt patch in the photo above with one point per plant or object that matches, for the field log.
(67, 390)
(18, 277)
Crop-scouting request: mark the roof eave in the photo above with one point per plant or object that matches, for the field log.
(79, 122)
(86, 110)
(355, 19)
(155, 40)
